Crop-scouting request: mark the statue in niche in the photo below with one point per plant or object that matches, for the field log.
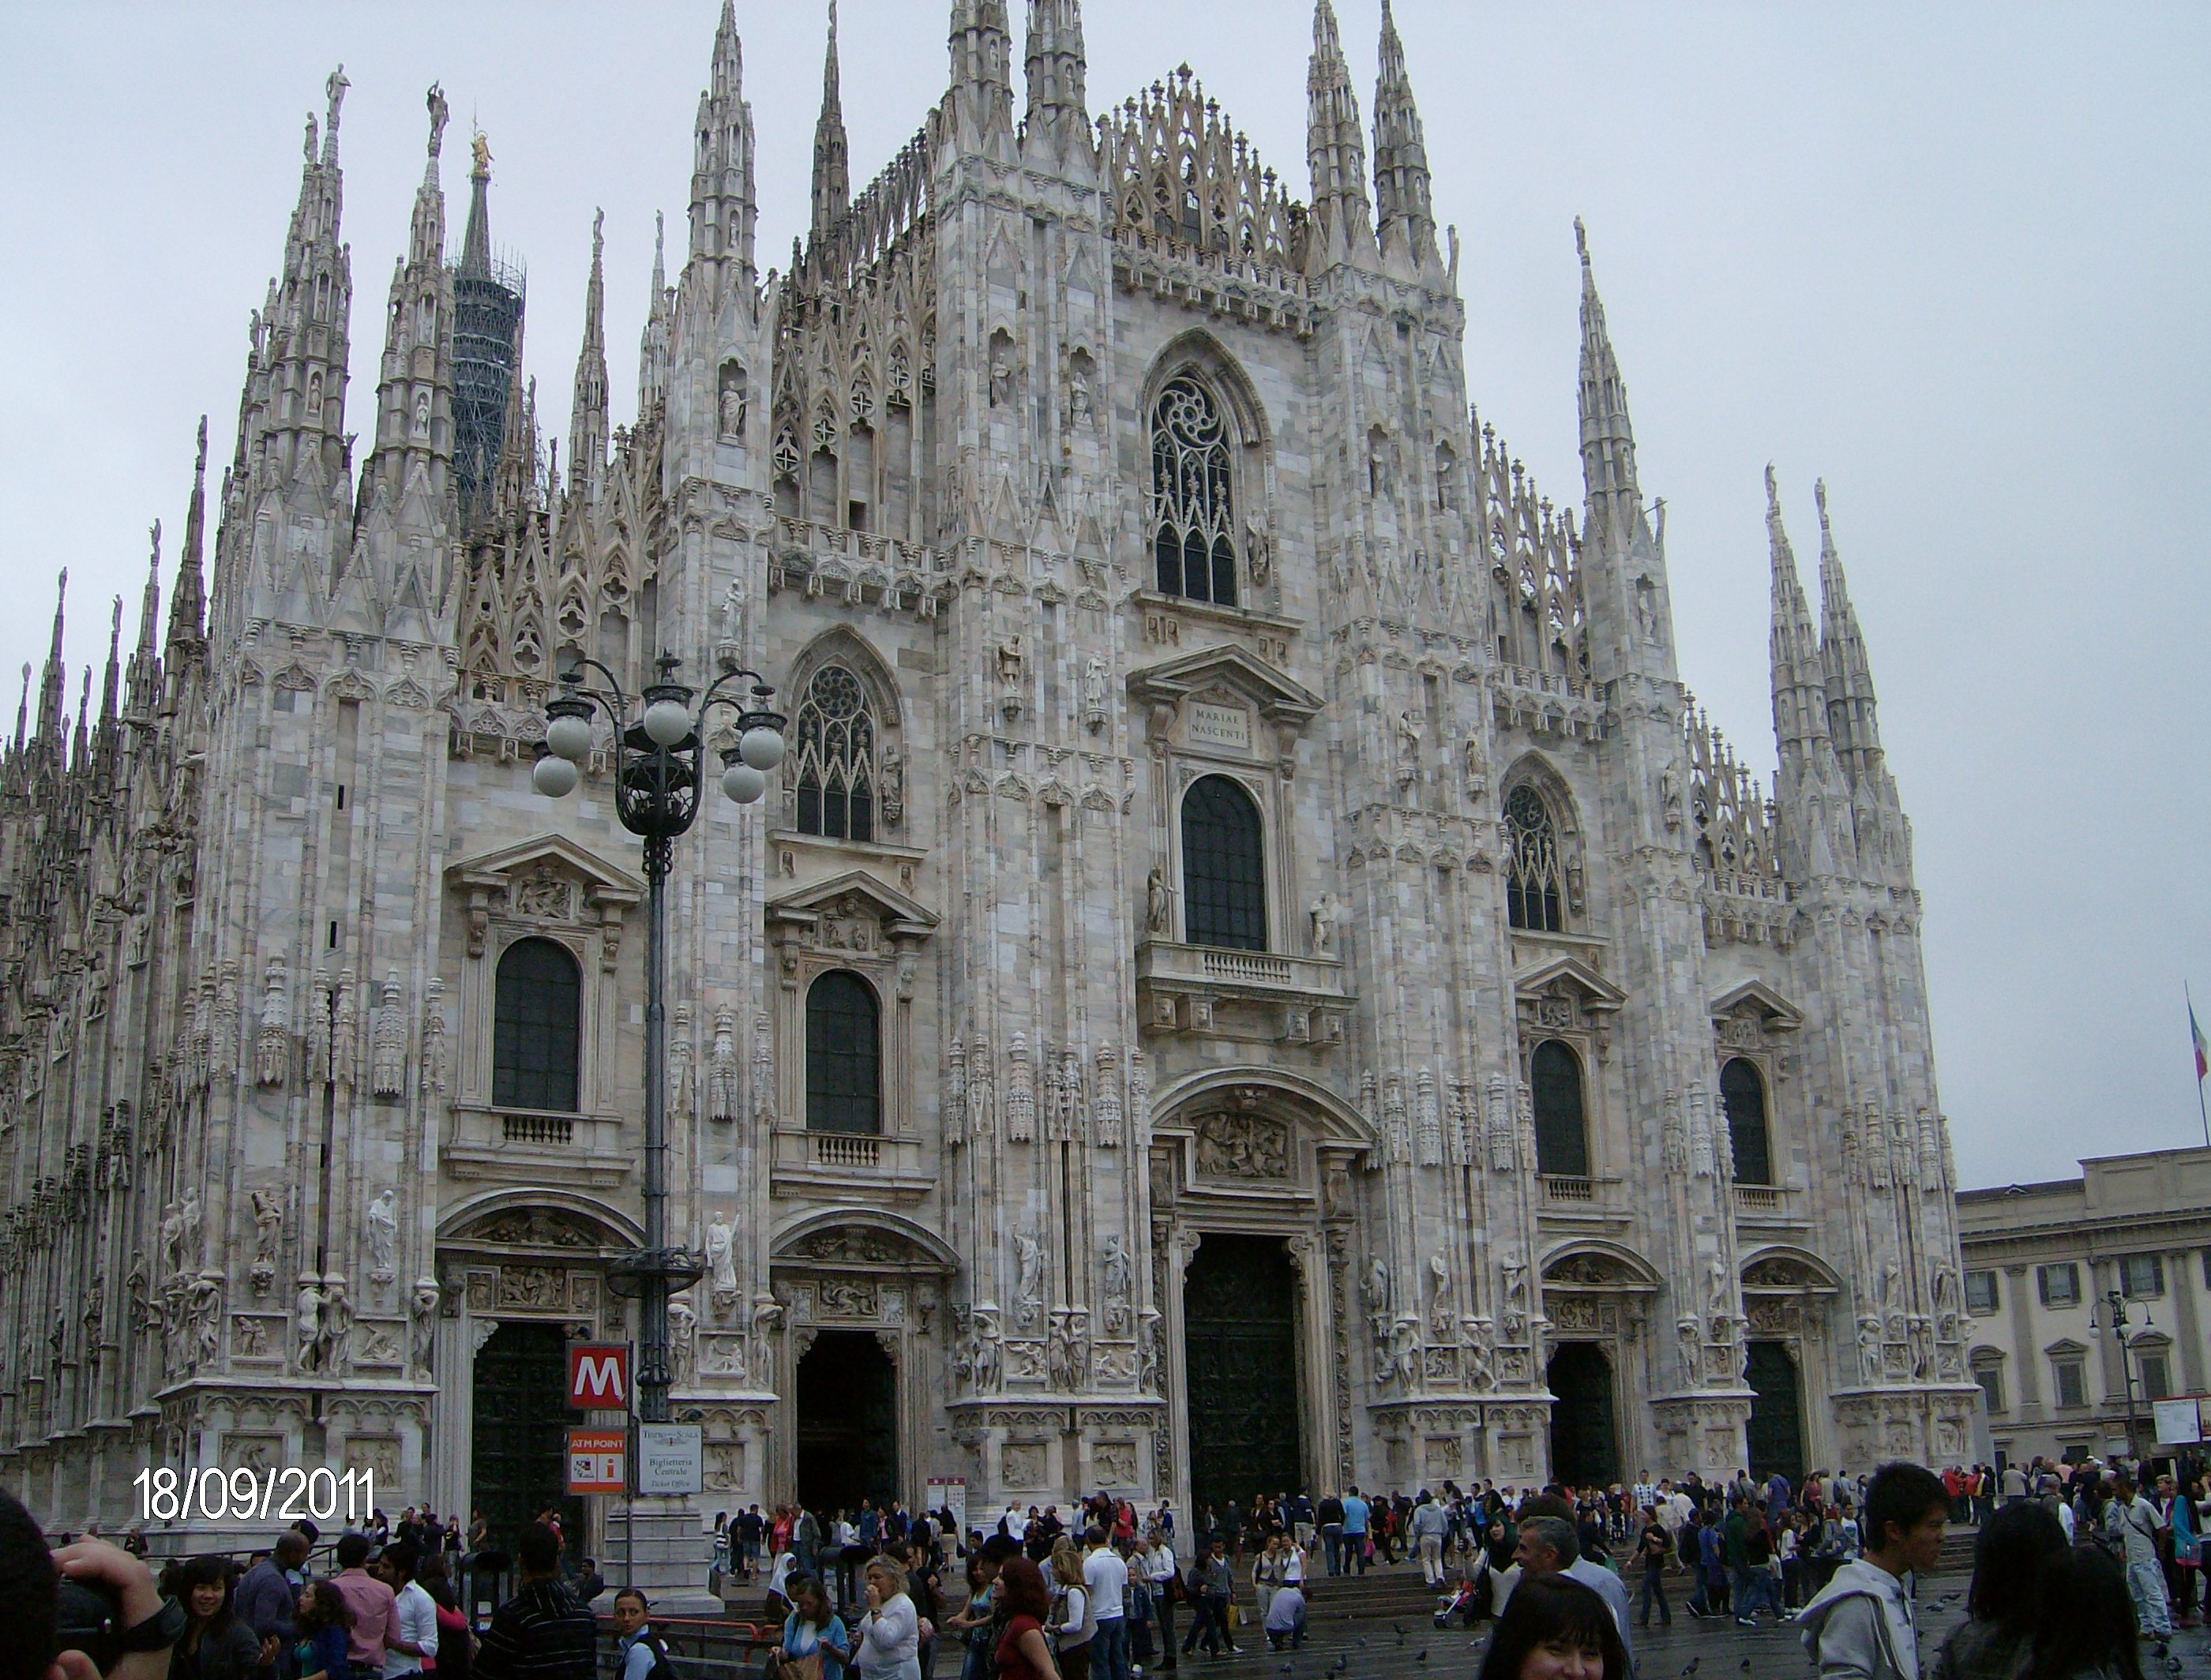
(1158, 903)
(1093, 694)
(732, 403)
(1001, 369)
(1009, 662)
(383, 1231)
(422, 1324)
(1474, 767)
(722, 1261)
(1408, 750)
(1669, 795)
(1078, 395)
(1323, 914)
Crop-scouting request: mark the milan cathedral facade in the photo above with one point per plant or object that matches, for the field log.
(1254, 970)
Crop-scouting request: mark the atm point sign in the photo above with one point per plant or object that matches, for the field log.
(598, 1377)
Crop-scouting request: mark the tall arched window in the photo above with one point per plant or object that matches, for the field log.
(1224, 887)
(1555, 1078)
(843, 1056)
(836, 758)
(537, 1019)
(1191, 505)
(1743, 1094)
(1532, 869)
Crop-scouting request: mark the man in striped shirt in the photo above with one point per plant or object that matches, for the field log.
(541, 1633)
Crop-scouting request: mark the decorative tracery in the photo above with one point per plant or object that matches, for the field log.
(834, 767)
(1192, 504)
(1533, 894)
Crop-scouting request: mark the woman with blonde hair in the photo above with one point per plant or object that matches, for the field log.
(1072, 1625)
(887, 1644)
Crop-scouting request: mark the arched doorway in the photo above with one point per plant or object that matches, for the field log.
(847, 1394)
(1776, 1436)
(1585, 1436)
(519, 1429)
(1240, 1364)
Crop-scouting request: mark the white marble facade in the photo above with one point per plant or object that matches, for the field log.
(263, 1201)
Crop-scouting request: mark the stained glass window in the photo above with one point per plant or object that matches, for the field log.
(1531, 871)
(843, 1056)
(536, 1023)
(1743, 1094)
(1554, 1079)
(1223, 866)
(1192, 507)
(835, 764)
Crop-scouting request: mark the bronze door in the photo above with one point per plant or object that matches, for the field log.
(520, 1435)
(1240, 1366)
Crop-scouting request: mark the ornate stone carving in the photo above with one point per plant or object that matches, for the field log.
(1242, 1145)
(272, 1048)
(1021, 1092)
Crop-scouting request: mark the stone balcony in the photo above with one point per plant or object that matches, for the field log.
(526, 1145)
(1260, 996)
(870, 1166)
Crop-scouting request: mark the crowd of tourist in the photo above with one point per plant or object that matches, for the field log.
(2073, 1563)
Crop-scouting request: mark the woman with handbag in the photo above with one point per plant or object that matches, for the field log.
(814, 1643)
(1073, 1626)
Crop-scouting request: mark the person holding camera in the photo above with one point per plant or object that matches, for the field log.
(84, 1611)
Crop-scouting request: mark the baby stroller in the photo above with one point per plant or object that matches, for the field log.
(1469, 1599)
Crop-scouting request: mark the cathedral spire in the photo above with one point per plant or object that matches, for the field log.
(1807, 785)
(50, 684)
(833, 178)
(1607, 439)
(295, 395)
(189, 605)
(80, 737)
(476, 236)
(1059, 109)
(981, 44)
(587, 409)
(414, 420)
(724, 205)
(1344, 221)
(653, 343)
(145, 659)
(1405, 217)
(110, 680)
(1850, 707)
(23, 709)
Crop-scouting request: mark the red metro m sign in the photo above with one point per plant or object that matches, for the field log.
(598, 1377)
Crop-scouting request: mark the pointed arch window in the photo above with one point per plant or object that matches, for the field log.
(1532, 895)
(1193, 552)
(836, 757)
(1743, 1094)
(1554, 1079)
(843, 1056)
(537, 1024)
(1223, 866)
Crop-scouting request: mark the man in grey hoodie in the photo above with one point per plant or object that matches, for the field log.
(1860, 1625)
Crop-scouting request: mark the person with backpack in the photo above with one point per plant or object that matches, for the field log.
(644, 1655)
(2131, 1527)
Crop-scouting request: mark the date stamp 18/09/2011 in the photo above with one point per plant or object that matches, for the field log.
(208, 1494)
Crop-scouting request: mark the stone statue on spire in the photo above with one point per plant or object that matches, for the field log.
(334, 90)
(480, 148)
(439, 115)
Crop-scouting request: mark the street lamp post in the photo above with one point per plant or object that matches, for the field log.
(659, 770)
(2115, 1309)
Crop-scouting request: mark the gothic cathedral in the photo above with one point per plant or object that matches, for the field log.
(1253, 972)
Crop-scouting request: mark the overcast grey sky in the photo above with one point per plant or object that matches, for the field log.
(1952, 258)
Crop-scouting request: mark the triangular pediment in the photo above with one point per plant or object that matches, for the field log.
(1277, 695)
(863, 893)
(497, 868)
(1777, 1011)
(1596, 991)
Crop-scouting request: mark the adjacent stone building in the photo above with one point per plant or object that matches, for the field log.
(2042, 1263)
(1255, 970)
